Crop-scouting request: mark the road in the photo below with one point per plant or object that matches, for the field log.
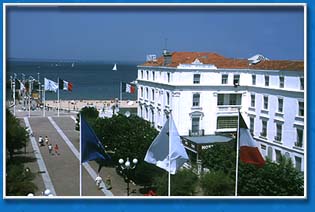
(63, 169)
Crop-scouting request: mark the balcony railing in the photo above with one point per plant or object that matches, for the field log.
(228, 108)
(278, 138)
(298, 144)
(196, 132)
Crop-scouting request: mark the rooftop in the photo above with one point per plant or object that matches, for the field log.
(227, 63)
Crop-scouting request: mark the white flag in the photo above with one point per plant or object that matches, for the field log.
(50, 85)
(167, 149)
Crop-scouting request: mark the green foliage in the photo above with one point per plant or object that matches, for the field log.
(90, 114)
(16, 135)
(18, 181)
(183, 183)
(273, 179)
(220, 157)
(217, 184)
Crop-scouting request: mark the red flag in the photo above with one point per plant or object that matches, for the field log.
(249, 152)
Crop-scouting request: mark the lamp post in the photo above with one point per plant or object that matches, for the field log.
(126, 167)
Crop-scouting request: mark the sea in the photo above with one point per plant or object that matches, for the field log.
(91, 80)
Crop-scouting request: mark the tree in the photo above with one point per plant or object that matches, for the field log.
(220, 157)
(90, 114)
(274, 179)
(18, 180)
(217, 184)
(183, 183)
(16, 135)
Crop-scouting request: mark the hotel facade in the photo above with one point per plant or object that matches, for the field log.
(205, 91)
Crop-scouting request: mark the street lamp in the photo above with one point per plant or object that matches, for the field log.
(126, 167)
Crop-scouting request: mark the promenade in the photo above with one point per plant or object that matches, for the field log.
(61, 172)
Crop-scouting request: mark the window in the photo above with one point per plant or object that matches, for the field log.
(281, 79)
(152, 95)
(141, 112)
(147, 93)
(252, 100)
(264, 129)
(141, 74)
(141, 91)
(146, 113)
(195, 124)
(299, 138)
(168, 98)
(168, 77)
(280, 105)
(224, 79)
(279, 132)
(266, 102)
(254, 79)
(152, 116)
(278, 155)
(270, 153)
(147, 75)
(301, 83)
(236, 80)
(220, 99)
(298, 163)
(251, 125)
(232, 99)
(153, 75)
(266, 80)
(196, 99)
(301, 108)
(196, 78)
(227, 122)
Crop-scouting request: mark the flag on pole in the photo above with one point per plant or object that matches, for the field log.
(65, 85)
(22, 87)
(160, 153)
(50, 85)
(92, 148)
(249, 152)
(128, 88)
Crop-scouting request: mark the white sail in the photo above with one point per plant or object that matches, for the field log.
(72, 65)
(115, 67)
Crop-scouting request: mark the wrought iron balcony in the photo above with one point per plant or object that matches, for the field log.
(196, 132)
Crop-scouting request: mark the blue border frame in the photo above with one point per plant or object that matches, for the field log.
(184, 204)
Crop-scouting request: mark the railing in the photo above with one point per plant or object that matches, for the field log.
(196, 132)
(298, 144)
(228, 108)
(278, 138)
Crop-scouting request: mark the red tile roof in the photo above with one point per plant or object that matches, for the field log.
(229, 63)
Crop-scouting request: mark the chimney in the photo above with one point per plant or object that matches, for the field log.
(167, 57)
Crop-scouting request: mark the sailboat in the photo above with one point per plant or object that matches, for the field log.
(72, 65)
(115, 67)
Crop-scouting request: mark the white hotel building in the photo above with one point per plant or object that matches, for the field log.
(204, 92)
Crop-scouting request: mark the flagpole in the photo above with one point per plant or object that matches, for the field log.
(29, 97)
(44, 96)
(80, 159)
(120, 91)
(14, 96)
(237, 151)
(169, 156)
(58, 96)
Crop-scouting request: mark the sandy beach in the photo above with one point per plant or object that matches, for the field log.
(77, 105)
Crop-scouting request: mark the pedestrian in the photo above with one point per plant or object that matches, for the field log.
(40, 141)
(46, 140)
(108, 183)
(98, 181)
(50, 148)
(56, 148)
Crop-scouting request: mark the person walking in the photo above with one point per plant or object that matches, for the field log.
(50, 147)
(98, 181)
(40, 141)
(56, 148)
(46, 140)
(108, 183)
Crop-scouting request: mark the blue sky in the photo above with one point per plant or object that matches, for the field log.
(129, 34)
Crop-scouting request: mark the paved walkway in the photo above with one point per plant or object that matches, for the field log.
(63, 169)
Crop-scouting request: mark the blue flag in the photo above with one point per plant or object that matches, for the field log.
(92, 148)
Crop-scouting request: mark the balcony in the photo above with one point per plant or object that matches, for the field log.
(228, 108)
(196, 132)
